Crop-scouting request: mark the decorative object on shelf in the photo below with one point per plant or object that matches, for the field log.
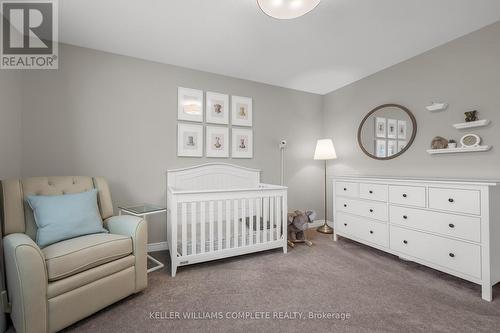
(242, 143)
(298, 223)
(325, 151)
(436, 106)
(470, 116)
(241, 111)
(470, 140)
(452, 144)
(472, 124)
(189, 140)
(189, 104)
(287, 9)
(217, 141)
(391, 121)
(439, 143)
(217, 108)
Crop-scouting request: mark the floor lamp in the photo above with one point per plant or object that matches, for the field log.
(324, 152)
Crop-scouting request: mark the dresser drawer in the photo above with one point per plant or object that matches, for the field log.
(455, 200)
(373, 192)
(370, 231)
(407, 195)
(347, 189)
(452, 254)
(371, 209)
(464, 227)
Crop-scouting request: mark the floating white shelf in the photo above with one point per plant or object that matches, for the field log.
(472, 124)
(458, 150)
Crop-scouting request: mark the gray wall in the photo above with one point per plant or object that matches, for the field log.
(464, 73)
(10, 124)
(116, 116)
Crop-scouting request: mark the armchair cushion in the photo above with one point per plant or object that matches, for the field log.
(60, 217)
(79, 254)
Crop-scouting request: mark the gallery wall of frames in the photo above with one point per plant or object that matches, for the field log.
(214, 124)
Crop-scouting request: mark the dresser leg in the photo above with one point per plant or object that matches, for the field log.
(335, 237)
(487, 292)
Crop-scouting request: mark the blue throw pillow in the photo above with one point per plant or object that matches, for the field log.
(61, 217)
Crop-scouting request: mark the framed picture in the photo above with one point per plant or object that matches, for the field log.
(380, 148)
(401, 145)
(392, 128)
(217, 141)
(242, 143)
(402, 129)
(189, 140)
(392, 147)
(217, 108)
(189, 104)
(380, 127)
(241, 111)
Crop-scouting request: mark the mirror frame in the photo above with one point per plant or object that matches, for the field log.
(410, 142)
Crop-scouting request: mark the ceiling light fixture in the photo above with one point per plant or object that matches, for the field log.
(287, 9)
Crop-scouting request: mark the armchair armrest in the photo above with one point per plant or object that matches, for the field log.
(137, 229)
(26, 283)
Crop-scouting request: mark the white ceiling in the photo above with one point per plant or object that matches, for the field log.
(340, 42)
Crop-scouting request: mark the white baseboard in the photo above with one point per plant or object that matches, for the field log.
(154, 247)
(319, 223)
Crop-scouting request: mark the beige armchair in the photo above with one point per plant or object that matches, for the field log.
(53, 287)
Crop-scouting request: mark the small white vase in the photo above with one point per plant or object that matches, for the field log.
(452, 145)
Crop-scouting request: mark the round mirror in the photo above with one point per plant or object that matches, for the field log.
(387, 131)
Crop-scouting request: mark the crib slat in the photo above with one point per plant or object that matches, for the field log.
(193, 227)
(235, 224)
(278, 217)
(265, 216)
(228, 224)
(243, 221)
(251, 217)
(219, 225)
(211, 225)
(202, 226)
(271, 218)
(257, 219)
(183, 229)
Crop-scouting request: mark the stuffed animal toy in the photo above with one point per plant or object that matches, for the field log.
(298, 222)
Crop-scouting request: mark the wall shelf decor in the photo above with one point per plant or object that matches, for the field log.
(434, 107)
(458, 150)
(472, 124)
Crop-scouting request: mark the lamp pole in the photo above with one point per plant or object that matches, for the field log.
(325, 228)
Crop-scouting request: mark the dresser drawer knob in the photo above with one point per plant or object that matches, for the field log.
(345, 205)
(405, 242)
(345, 224)
(371, 192)
(345, 189)
(371, 210)
(404, 195)
(451, 225)
(405, 217)
(452, 255)
(451, 200)
(371, 231)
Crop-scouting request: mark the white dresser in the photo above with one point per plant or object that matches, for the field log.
(451, 226)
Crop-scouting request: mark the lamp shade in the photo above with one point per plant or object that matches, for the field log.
(325, 150)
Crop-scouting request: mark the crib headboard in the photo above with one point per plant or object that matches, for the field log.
(212, 176)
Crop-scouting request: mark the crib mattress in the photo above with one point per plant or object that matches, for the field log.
(233, 241)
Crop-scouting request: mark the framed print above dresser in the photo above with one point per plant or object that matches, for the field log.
(449, 225)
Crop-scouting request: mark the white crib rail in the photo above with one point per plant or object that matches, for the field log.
(213, 224)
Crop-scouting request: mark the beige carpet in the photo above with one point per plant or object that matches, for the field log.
(380, 292)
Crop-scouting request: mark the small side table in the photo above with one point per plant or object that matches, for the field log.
(143, 211)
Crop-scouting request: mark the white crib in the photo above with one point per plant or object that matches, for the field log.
(221, 210)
